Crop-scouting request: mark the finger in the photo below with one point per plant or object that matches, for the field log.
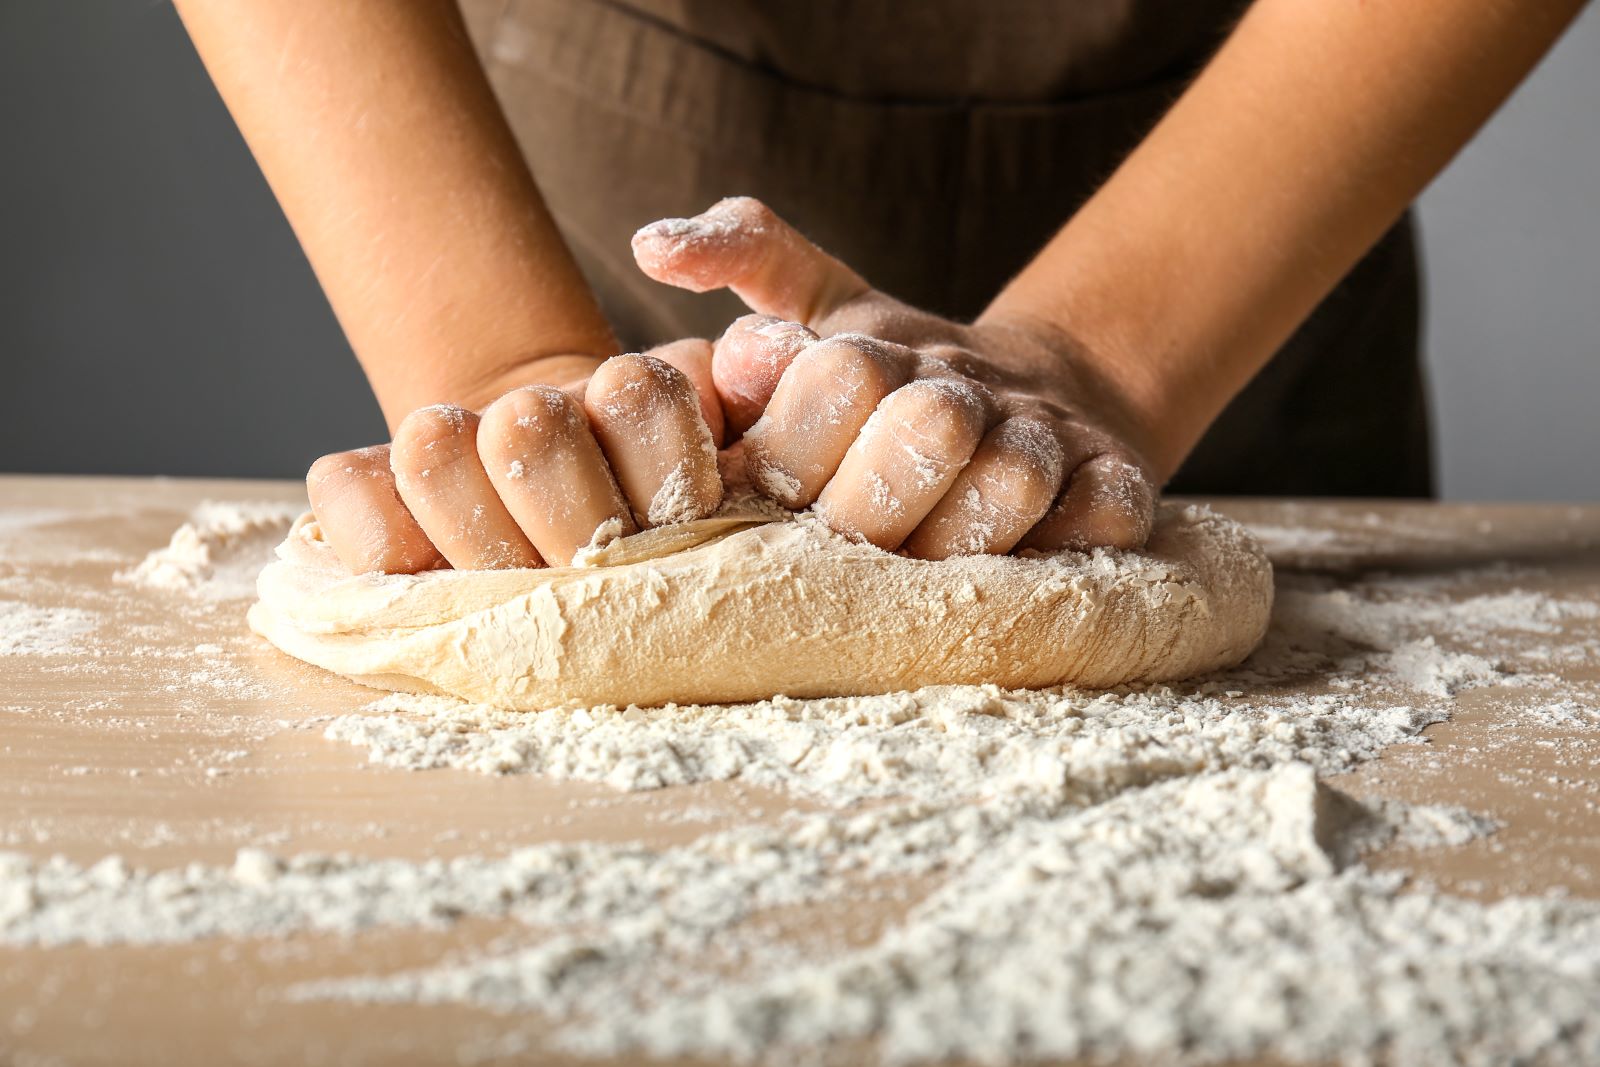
(442, 481)
(907, 457)
(692, 356)
(646, 416)
(819, 407)
(749, 360)
(362, 516)
(549, 472)
(1008, 486)
(740, 244)
(1109, 502)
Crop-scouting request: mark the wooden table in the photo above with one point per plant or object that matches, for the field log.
(149, 748)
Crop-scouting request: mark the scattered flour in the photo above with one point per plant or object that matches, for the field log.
(1197, 919)
(1372, 646)
(1563, 715)
(1424, 666)
(216, 554)
(1143, 873)
(1149, 874)
(29, 630)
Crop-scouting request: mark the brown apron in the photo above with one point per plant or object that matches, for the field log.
(935, 146)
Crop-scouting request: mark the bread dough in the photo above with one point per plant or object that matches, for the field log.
(739, 608)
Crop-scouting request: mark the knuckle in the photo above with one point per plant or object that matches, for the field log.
(426, 428)
(637, 385)
(356, 463)
(632, 370)
(749, 211)
(1050, 412)
(1032, 448)
(836, 387)
(661, 375)
(832, 358)
(534, 411)
(1113, 530)
(781, 336)
(683, 358)
(751, 323)
(1117, 473)
(761, 340)
(1025, 486)
(1018, 493)
(770, 473)
(857, 358)
(1111, 503)
(936, 409)
(326, 467)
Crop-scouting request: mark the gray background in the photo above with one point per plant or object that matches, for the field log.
(156, 315)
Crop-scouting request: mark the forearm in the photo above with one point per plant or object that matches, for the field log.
(378, 132)
(1296, 148)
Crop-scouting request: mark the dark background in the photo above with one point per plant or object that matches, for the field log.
(156, 315)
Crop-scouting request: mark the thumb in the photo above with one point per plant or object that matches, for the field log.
(740, 244)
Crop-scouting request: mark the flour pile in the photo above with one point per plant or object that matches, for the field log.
(1153, 873)
(217, 553)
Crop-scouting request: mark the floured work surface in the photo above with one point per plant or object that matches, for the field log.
(261, 863)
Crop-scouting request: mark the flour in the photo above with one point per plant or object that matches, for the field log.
(1202, 918)
(1153, 873)
(676, 500)
(1374, 646)
(57, 902)
(1563, 715)
(29, 630)
(775, 483)
(216, 554)
(1144, 873)
(1424, 666)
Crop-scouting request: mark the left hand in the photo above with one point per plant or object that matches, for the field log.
(528, 482)
(903, 428)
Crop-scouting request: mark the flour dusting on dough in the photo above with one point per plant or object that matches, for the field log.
(777, 607)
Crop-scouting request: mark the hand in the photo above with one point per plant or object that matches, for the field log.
(903, 428)
(533, 478)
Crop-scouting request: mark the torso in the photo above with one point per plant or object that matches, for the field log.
(934, 146)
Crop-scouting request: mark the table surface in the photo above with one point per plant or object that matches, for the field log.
(166, 754)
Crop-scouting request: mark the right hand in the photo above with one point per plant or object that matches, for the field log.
(530, 480)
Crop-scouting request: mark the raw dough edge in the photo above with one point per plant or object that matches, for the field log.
(723, 611)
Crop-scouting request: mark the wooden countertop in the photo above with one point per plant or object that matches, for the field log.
(165, 754)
